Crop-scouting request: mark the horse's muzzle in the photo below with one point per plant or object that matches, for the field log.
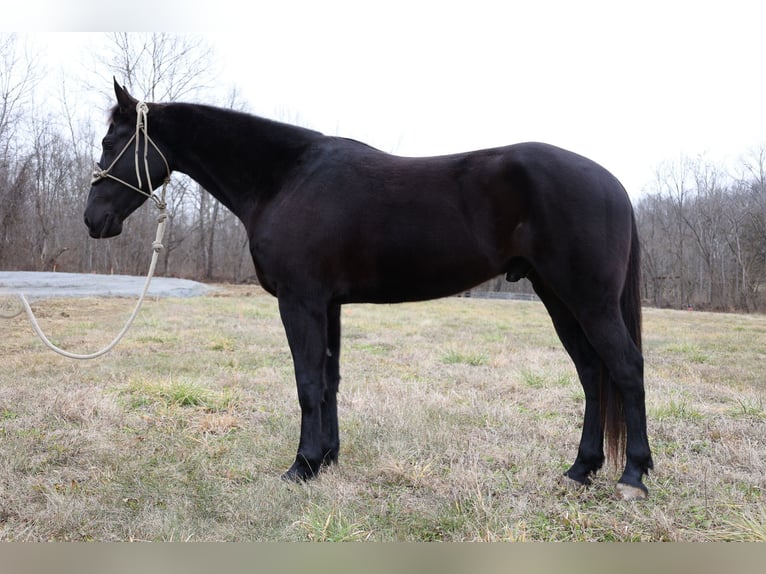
(103, 226)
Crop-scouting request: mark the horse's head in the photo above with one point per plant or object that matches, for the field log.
(125, 176)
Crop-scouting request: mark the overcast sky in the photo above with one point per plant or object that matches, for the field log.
(628, 84)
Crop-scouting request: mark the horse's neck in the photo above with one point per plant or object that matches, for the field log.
(236, 157)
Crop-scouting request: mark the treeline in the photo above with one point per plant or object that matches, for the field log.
(703, 232)
(703, 227)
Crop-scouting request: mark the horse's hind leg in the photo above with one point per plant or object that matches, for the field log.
(624, 363)
(602, 329)
(590, 454)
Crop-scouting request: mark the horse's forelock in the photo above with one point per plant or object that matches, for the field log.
(117, 113)
(113, 115)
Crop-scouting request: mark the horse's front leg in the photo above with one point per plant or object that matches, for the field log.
(305, 324)
(330, 435)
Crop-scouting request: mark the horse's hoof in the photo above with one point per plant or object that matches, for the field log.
(292, 477)
(297, 474)
(572, 485)
(629, 492)
(301, 471)
(577, 479)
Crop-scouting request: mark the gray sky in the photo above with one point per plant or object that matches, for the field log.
(628, 84)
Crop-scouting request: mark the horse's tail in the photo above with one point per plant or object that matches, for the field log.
(612, 416)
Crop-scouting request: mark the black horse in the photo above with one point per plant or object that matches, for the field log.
(332, 221)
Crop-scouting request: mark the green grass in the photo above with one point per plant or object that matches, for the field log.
(456, 357)
(183, 393)
(750, 407)
(458, 418)
(674, 408)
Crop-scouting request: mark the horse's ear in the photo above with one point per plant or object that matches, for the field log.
(124, 99)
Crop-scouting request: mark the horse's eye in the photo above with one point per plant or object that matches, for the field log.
(106, 143)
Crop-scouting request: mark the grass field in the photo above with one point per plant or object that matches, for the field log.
(458, 418)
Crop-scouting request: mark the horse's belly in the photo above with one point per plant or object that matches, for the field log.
(418, 278)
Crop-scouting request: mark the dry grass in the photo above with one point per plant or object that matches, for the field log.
(457, 419)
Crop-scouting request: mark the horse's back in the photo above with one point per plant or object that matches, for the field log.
(529, 172)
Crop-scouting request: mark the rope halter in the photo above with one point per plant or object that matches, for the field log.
(142, 126)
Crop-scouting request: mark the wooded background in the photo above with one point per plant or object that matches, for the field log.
(702, 224)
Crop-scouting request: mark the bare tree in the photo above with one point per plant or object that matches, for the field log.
(158, 66)
(18, 77)
(705, 221)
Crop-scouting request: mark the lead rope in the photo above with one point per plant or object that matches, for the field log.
(141, 128)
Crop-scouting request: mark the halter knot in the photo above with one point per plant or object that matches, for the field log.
(98, 174)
